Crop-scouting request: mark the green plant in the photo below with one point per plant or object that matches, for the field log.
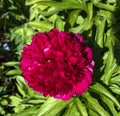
(98, 21)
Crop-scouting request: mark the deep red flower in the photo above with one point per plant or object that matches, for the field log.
(57, 64)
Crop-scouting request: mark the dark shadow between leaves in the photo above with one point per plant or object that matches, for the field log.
(116, 32)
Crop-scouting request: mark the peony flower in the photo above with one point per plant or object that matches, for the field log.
(57, 64)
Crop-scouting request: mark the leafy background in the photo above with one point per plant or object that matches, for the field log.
(99, 23)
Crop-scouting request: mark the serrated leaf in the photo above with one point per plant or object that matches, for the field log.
(94, 105)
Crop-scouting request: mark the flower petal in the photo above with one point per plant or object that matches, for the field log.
(57, 64)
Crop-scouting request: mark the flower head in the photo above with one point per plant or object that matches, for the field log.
(57, 64)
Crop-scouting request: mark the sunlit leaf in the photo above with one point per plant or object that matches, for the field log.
(110, 104)
(73, 16)
(81, 107)
(115, 88)
(101, 90)
(92, 113)
(52, 106)
(100, 23)
(40, 25)
(115, 79)
(72, 110)
(94, 105)
(11, 63)
(20, 89)
(59, 24)
(32, 111)
(30, 2)
(96, 20)
(15, 100)
(14, 72)
(90, 11)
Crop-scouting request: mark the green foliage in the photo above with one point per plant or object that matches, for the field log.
(97, 20)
